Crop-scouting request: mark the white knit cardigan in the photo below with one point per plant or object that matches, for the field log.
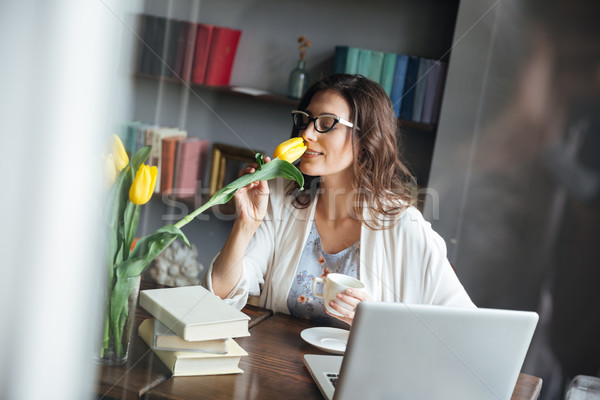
(405, 263)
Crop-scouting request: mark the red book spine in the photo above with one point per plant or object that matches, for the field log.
(222, 55)
(203, 44)
(190, 51)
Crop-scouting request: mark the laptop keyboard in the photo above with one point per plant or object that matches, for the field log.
(332, 378)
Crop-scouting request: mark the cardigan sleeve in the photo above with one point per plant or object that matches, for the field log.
(257, 259)
(439, 283)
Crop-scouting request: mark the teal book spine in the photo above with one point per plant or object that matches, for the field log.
(339, 59)
(387, 72)
(352, 60)
(375, 66)
(364, 62)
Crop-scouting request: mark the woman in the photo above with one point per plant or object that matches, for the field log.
(354, 218)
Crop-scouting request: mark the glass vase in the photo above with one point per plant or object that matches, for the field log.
(298, 82)
(118, 321)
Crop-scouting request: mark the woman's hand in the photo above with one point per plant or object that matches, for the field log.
(251, 201)
(351, 297)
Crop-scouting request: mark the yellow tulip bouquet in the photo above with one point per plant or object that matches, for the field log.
(131, 186)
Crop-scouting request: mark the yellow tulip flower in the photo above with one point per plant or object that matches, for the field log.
(119, 153)
(290, 150)
(143, 185)
(110, 173)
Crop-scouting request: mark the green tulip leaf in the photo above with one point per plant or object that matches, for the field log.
(140, 156)
(147, 248)
(119, 310)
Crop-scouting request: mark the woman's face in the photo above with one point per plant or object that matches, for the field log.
(328, 153)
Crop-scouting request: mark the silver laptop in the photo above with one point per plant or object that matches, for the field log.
(399, 351)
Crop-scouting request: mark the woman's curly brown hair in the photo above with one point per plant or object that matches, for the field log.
(381, 181)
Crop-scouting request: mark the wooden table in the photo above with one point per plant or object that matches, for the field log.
(273, 369)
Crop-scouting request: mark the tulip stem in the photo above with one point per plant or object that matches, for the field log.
(185, 220)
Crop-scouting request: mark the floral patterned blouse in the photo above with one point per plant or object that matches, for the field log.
(314, 262)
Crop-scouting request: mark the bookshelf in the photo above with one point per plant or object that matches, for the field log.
(267, 97)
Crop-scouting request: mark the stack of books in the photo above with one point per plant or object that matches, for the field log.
(192, 331)
(193, 52)
(181, 160)
(415, 84)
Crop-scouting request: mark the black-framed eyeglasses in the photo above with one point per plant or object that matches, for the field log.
(323, 123)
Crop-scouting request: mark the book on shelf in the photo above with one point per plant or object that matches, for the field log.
(387, 72)
(434, 92)
(140, 135)
(375, 66)
(153, 44)
(412, 70)
(352, 60)
(190, 165)
(128, 135)
(148, 25)
(155, 157)
(182, 37)
(194, 313)
(169, 147)
(167, 63)
(187, 363)
(166, 339)
(201, 53)
(339, 59)
(420, 87)
(364, 62)
(190, 51)
(398, 83)
(223, 48)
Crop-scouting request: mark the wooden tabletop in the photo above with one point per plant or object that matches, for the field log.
(274, 369)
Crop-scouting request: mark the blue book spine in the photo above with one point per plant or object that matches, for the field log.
(420, 87)
(398, 83)
(412, 71)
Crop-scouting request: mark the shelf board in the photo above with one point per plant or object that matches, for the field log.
(265, 96)
(260, 95)
(419, 126)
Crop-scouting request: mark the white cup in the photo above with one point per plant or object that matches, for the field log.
(334, 284)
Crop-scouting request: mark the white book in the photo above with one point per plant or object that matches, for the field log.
(166, 339)
(186, 363)
(194, 313)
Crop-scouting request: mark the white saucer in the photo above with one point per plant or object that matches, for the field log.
(331, 340)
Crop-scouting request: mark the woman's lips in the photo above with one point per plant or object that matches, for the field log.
(311, 154)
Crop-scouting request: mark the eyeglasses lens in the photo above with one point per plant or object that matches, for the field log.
(301, 121)
(325, 123)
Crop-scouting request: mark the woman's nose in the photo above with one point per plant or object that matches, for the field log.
(309, 133)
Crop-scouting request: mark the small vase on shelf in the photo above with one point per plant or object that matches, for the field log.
(298, 82)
